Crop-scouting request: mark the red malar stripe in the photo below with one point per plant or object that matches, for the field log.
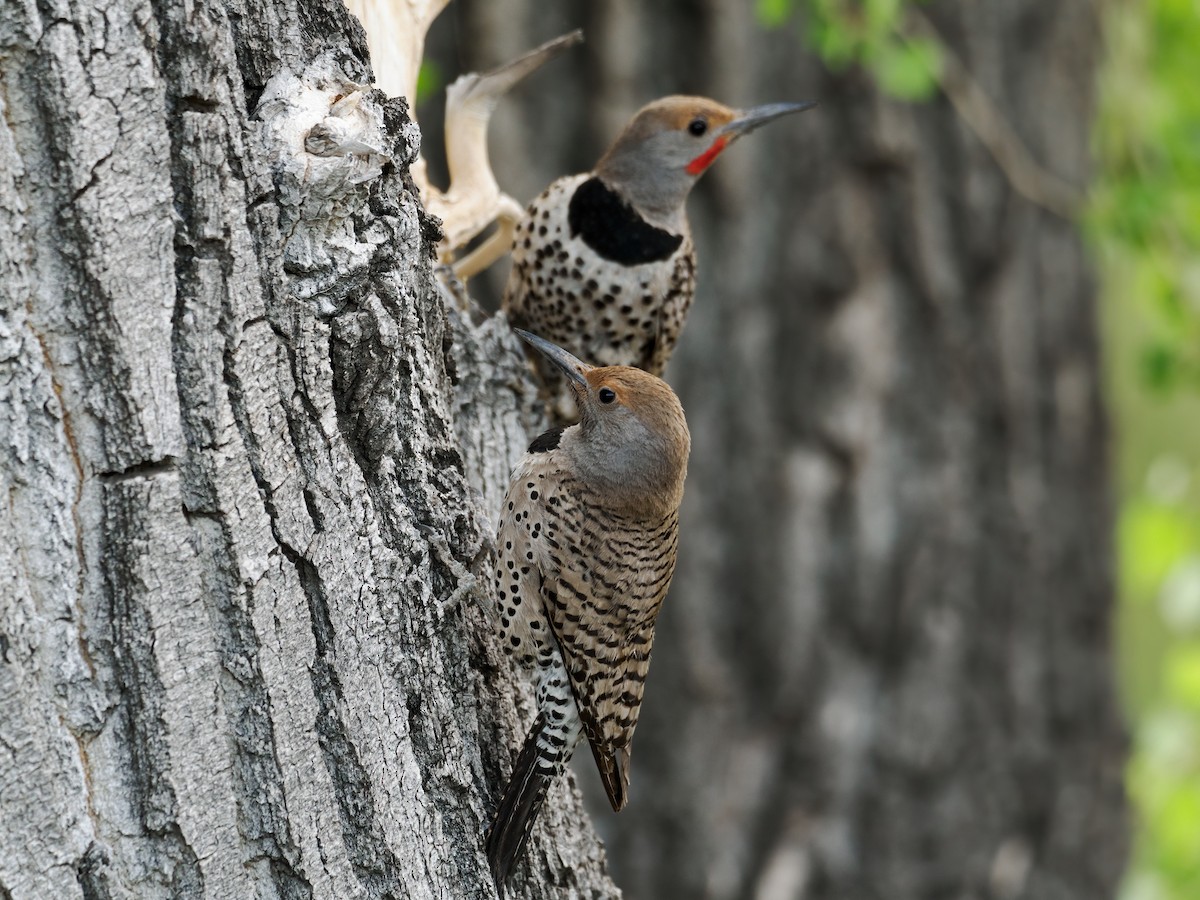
(705, 159)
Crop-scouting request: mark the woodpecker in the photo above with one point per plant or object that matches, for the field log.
(603, 262)
(585, 553)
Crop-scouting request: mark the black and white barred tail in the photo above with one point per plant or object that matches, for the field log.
(531, 777)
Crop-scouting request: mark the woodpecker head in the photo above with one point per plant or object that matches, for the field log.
(671, 142)
(632, 440)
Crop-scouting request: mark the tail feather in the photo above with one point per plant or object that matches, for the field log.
(519, 808)
(614, 775)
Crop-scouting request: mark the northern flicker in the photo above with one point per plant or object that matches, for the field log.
(603, 262)
(586, 549)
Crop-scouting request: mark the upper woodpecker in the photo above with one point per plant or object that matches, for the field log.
(603, 262)
(586, 549)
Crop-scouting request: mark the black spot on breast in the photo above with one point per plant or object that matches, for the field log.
(546, 441)
(613, 228)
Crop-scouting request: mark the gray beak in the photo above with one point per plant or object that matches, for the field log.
(573, 368)
(758, 116)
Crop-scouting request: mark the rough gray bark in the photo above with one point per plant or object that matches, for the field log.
(243, 651)
(884, 669)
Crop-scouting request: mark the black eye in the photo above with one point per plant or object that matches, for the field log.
(607, 395)
(697, 127)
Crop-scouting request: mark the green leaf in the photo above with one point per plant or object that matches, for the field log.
(1160, 366)
(909, 70)
(882, 15)
(836, 45)
(1178, 827)
(430, 80)
(773, 13)
(1183, 676)
(1153, 539)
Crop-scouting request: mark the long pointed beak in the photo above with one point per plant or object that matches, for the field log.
(757, 116)
(574, 369)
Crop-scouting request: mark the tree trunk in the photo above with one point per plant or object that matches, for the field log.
(884, 670)
(243, 650)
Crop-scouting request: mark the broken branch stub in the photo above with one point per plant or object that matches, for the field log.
(396, 32)
(473, 200)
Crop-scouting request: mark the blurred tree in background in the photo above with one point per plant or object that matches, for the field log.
(1143, 222)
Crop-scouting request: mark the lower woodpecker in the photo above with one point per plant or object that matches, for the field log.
(586, 550)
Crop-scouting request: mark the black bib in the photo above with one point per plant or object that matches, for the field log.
(612, 227)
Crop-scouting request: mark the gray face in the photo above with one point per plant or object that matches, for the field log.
(674, 151)
(632, 440)
(620, 452)
(618, 441)
(653, 173)
(671, 143)
(649, 162)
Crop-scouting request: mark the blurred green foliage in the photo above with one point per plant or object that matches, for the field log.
(1143, 223)
(866, 33)
(1145, 213)
(430, 80)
